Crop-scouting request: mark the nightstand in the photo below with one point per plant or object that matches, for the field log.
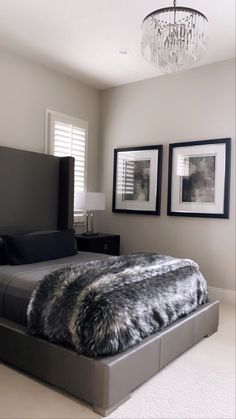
(101, 243)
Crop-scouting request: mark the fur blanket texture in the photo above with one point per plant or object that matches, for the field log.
(103, 307)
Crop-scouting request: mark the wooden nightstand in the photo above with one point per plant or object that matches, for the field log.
(102, 243)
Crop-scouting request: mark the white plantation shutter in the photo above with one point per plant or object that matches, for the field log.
(68, 137)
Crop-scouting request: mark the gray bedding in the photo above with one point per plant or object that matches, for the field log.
(18, 282)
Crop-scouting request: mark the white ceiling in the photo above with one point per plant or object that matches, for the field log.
(82, 38)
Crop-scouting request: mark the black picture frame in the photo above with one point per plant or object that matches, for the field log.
(158, 180)
(226, 181)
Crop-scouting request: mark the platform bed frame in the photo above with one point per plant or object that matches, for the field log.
(105, 382)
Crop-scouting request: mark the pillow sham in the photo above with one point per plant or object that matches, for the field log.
(31, 248)
(2, 252)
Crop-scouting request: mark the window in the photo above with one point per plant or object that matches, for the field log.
(68, 136)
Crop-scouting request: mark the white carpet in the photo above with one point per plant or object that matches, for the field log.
(198, 385)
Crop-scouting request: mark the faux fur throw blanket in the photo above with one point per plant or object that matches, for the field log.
(105, 306)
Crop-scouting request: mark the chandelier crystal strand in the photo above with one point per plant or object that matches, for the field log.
(174, 38)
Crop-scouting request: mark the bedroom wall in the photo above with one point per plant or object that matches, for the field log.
(195, 105)
(26, 89)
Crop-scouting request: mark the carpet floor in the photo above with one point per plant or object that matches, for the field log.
(200, 384)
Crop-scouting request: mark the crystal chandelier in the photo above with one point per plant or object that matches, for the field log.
(174, 38)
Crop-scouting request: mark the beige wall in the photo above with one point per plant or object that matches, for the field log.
(26, 89)
(195, 105)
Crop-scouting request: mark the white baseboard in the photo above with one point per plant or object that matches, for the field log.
(225, 296)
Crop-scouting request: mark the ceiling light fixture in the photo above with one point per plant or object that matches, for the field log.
(174, 38)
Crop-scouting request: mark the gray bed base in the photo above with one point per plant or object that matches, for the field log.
(106, 382)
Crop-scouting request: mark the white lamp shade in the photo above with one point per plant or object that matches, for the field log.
(89, 201)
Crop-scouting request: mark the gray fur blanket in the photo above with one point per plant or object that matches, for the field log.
(105, 306)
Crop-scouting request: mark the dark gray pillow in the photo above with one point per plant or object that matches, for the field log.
(31, 248)
(2, 252)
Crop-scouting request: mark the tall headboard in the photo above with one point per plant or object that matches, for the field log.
(36, 191)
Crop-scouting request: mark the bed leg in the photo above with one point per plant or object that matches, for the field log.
(106, 412)
(210, 334)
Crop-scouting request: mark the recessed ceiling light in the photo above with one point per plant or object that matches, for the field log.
(123, 51)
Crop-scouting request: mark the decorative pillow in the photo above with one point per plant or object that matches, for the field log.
(37, 232)
(2, 252)
(31, 248)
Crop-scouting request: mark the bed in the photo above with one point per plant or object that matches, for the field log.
(41, 186)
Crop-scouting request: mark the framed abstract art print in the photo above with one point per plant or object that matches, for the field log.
(199, 178)
(137, 180)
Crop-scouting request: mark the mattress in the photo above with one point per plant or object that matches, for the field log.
(18, 282)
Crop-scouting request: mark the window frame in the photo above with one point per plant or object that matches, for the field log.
(79, 216)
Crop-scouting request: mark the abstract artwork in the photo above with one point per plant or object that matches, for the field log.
(137, 179)
(199, 178)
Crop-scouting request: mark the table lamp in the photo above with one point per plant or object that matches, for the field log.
(89, 202)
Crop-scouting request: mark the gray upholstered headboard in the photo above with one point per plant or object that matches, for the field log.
(36, 191)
